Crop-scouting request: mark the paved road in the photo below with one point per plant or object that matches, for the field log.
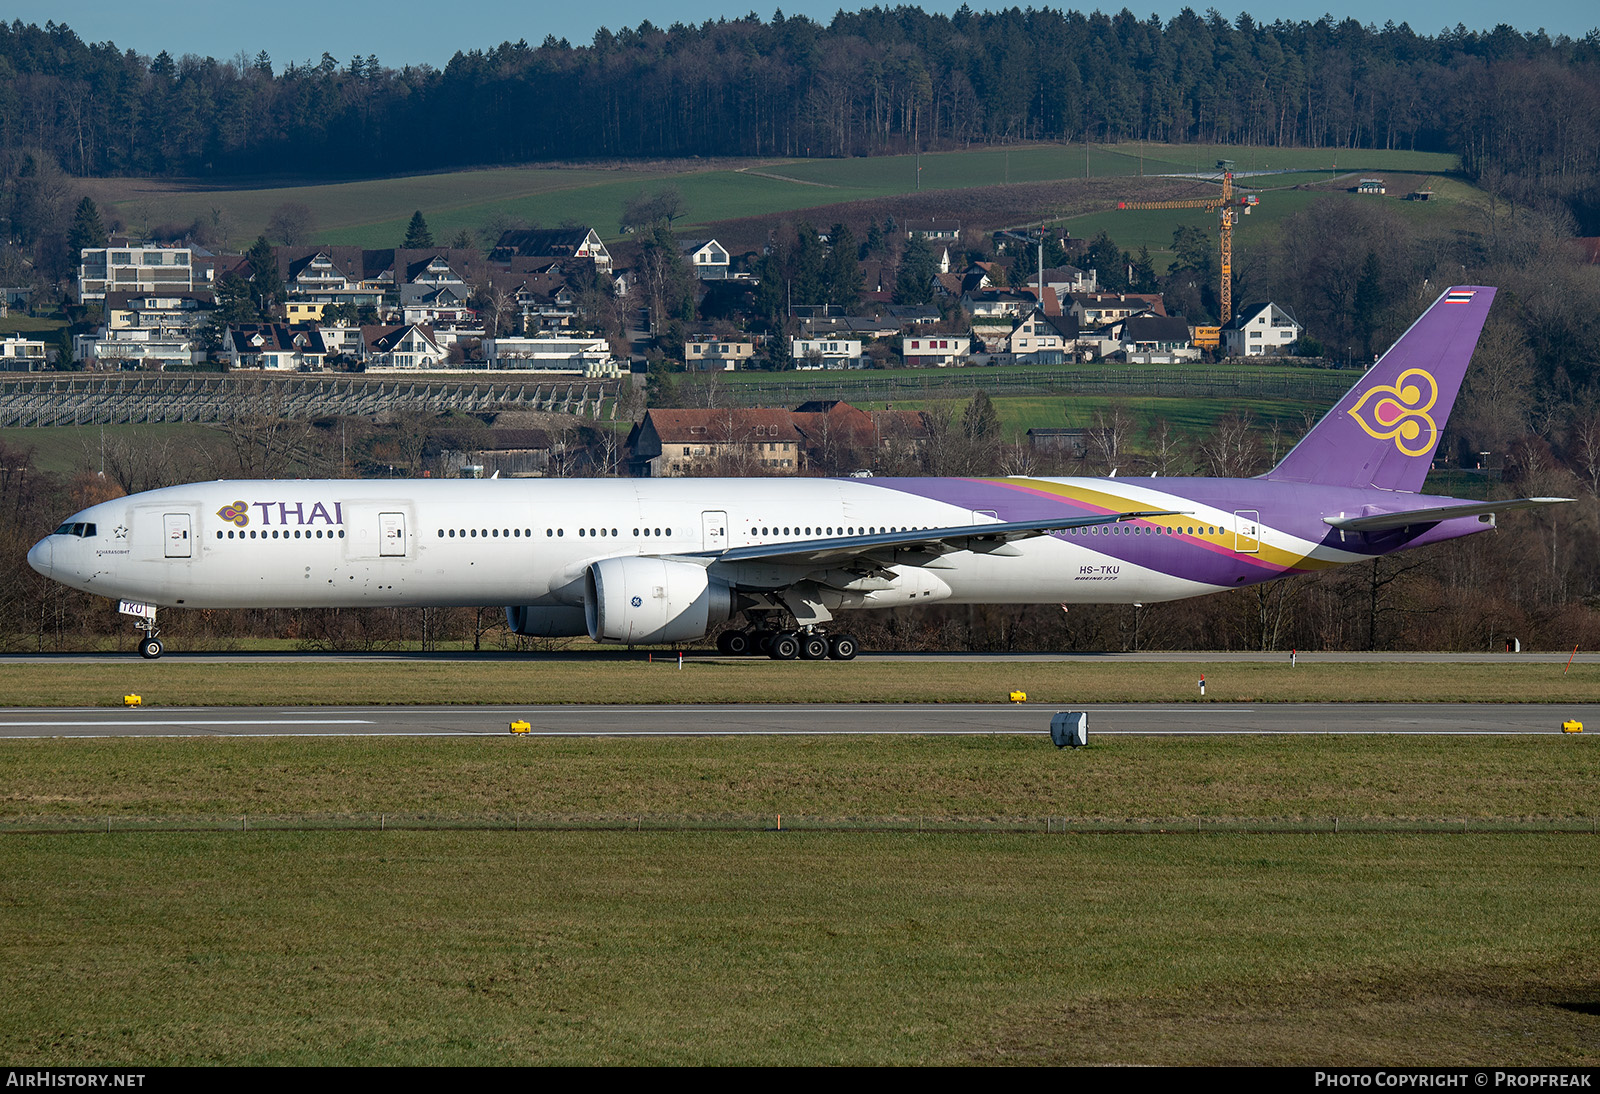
(969, 719)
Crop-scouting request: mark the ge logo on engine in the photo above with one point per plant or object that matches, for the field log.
(637, 601)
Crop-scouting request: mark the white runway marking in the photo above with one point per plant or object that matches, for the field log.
(109, 724)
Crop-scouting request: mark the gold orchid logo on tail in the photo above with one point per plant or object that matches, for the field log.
(1400, 412)
(238, 513)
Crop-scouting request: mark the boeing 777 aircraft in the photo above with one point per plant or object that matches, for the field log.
(660, 561)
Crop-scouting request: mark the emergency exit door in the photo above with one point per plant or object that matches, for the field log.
(391, 534)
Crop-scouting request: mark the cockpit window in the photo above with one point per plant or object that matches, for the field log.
(81, 530)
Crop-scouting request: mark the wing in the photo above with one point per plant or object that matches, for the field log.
(1410, 518)
(912, 547)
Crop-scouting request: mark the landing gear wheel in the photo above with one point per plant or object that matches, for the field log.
(813, 647)
(150, 648)
(733, 643)
(783, 647)
(842, 647)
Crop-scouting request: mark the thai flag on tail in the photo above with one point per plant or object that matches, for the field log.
(1458, 296)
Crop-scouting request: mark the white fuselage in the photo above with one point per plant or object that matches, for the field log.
(343, 543)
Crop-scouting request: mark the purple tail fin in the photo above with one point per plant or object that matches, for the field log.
(1383, 432)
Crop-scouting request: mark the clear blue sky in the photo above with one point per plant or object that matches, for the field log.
(404, 32)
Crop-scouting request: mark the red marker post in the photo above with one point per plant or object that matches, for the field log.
(1202, 686)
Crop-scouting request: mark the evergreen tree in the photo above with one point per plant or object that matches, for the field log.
(918, 265)
(417, 234)
(1111, 264)
(841, 272)
(235, 306)
(1144, 273)
(86, 231)
(266, 283)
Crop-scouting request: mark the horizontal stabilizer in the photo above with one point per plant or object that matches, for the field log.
(1410, 518)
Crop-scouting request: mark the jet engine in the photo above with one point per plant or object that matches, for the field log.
(535, 622)
(646, 600)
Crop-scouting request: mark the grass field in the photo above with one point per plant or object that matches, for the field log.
(374, 212)
(689, 947)
(711, 679)
(1221, 779)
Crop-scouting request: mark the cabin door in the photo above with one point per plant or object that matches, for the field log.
(1247, 532)
(177, 541)
(391, 534)
(714, 530)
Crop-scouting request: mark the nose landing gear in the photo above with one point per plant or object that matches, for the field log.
(144, 616)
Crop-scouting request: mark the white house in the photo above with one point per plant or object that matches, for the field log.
(135, 347)
(1158, 340)
(936, 350)
(590, 356)
(408, 346)
(19, 354)
(811, 353)
(708, 258)
(1259, 330)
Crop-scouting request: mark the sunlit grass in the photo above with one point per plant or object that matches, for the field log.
(707, 678)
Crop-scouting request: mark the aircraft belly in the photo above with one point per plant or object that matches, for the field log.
(1052, 571)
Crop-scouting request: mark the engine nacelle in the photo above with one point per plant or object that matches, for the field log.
(534, 622)
(642, 601)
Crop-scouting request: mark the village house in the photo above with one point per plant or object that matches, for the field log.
(1095, 309)
(1259, 330)
(135, 348)
(408, 347)
(552, 353)
(19, 353)
(705, 353)
(936, 350)
(730, 441)
(164, 312)
(706, 257)
(815, 353)
(274, 346)
(840, 439)
(552, 243)
(1158, 340)
(1042, 339)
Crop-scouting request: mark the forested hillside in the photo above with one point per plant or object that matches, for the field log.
(1515, 106)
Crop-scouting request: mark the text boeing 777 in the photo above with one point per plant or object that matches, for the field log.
(657, 561)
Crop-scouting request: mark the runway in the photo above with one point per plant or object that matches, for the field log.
(1476, 719)
(1277, 657)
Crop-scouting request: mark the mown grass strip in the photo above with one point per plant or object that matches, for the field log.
(976, 779)
(711, 679)
(796, 948)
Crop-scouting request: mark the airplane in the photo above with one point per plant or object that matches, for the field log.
(661, 561)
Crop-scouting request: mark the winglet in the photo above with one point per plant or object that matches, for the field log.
(1383, 433)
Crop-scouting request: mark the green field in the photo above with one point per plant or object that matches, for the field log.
(488, 946)
(707, 678)
(1278, 779)
(374, 212)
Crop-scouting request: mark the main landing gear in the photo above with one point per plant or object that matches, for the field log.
(806, 645)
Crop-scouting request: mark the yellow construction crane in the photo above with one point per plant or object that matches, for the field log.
(1225, 222)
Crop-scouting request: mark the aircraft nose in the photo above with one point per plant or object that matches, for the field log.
(39, 557)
